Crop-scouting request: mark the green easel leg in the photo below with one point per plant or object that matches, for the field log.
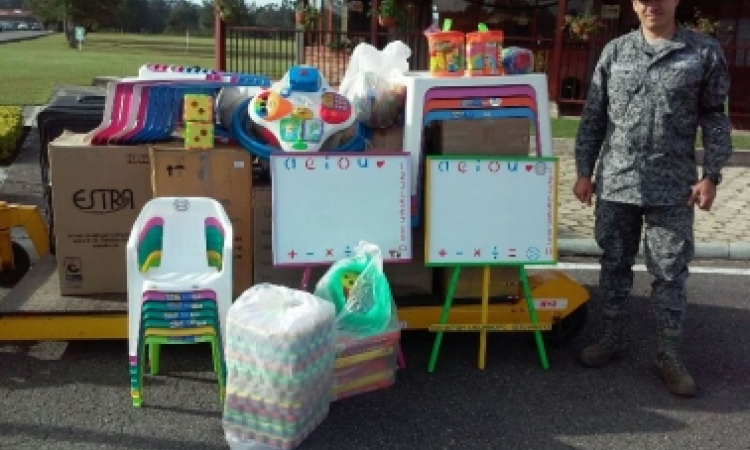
(444, 317)
(534, 320)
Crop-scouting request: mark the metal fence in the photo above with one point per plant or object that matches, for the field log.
(271, 51)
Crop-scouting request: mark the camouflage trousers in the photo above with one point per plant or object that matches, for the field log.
(668, 248)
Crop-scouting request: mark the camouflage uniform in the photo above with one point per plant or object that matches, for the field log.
(640, 123)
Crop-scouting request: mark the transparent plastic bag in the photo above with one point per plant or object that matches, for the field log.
(370, 83)
(279, 353)
(359, 289)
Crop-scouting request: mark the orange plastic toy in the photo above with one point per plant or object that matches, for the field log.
(484, 52)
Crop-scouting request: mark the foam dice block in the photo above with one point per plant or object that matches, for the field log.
(198, 108)
(199, 135)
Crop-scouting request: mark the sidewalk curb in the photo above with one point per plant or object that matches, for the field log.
(703, 250)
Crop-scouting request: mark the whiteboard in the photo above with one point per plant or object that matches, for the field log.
(325, 204)
(490, 210)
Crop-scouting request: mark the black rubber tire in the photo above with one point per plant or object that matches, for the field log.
(567, 329)
(22, 263)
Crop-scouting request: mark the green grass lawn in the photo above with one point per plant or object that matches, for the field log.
(31, 69)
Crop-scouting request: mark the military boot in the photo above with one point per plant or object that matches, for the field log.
(610, 346)
(669, 366)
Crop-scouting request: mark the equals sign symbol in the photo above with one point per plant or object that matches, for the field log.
(512, 252)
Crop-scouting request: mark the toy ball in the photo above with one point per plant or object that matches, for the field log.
(518, 61)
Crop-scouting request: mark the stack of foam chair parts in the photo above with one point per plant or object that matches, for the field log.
(366, 363)
(279, 355)
(179, 272)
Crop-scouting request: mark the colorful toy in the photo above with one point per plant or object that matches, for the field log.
(446, 51)
(198, 108)
(301, 113)
(199, 136)
(518, 61)
(484, 52)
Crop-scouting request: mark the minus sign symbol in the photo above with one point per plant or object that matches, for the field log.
(310, 253)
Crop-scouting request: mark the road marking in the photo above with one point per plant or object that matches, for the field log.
(642, 268)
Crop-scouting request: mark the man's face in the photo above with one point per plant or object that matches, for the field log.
(655, 13)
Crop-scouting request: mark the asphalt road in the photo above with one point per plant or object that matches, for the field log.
(10, 36)
(75, 396)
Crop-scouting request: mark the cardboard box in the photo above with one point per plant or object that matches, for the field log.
(485, 137)
(391, 138)
(97, 194)
(405, 279)
(224, 173)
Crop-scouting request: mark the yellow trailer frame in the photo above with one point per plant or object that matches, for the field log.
(36, 311)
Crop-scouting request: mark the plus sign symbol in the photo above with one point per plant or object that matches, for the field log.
(442, 253)
(292, 254)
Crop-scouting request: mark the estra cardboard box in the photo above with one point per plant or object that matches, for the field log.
(97, 194)
(405, 279)
(224, 173)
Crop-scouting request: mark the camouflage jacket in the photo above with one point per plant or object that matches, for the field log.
(642, 115)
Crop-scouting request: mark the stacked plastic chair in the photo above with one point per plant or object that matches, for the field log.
(179, 282)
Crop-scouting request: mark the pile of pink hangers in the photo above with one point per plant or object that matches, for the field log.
(148, 108)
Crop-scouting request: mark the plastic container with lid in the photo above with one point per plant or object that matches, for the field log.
(484, 52)
(446, 51)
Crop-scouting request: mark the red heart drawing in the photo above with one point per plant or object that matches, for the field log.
(529, 167)
(380, 164)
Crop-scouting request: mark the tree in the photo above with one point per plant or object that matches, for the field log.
(48, 10)
(207, 13)
(156, 18)
(94, 13)
(184, 16)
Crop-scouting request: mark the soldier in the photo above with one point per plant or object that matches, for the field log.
(650, 91)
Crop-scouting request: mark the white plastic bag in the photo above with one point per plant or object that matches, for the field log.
(370, 82)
